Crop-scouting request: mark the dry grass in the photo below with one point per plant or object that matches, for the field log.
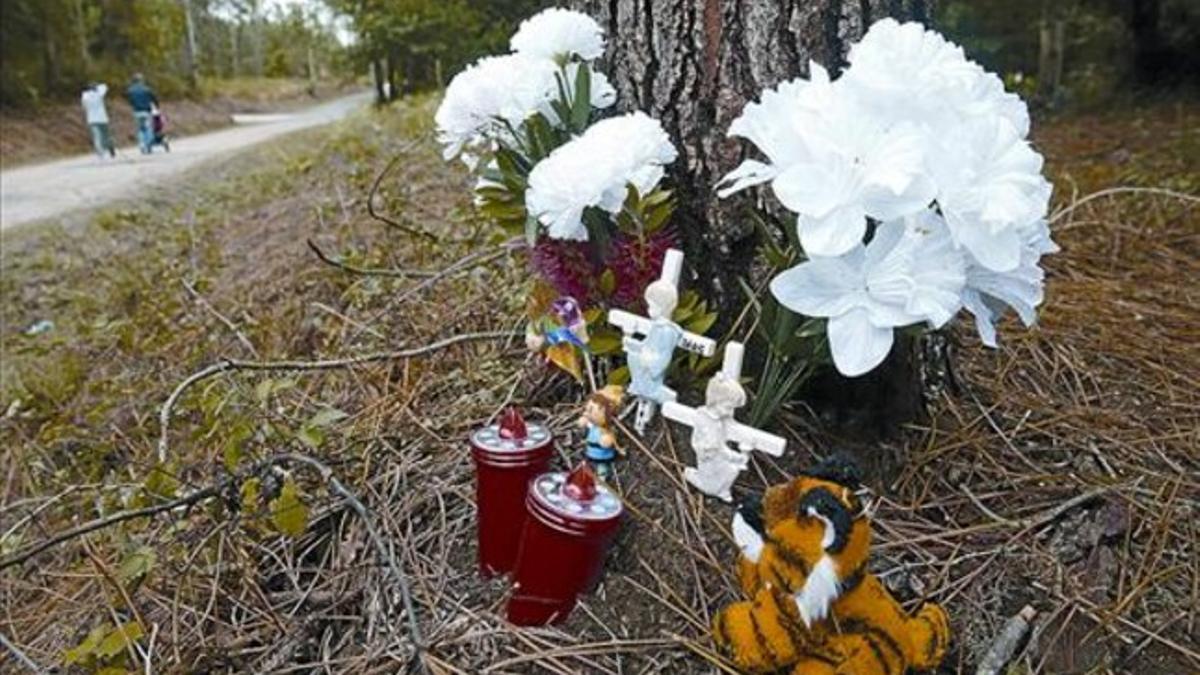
(1061, 474)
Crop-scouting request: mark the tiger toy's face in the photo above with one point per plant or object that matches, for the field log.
(816, 535)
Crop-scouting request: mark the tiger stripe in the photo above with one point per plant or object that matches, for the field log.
(764, 645)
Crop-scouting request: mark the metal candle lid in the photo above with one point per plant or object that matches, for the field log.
(549, 490)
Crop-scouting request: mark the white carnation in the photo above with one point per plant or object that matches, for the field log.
(483, 98)
(557, 34)
(988, 294)
(595, 170)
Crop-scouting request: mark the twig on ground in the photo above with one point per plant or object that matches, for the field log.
(391, 222)
(366, 271)
(1006, 643)
(20, 656)
(203, 302)
(381, 549)
(1163, 192)
(164, 415)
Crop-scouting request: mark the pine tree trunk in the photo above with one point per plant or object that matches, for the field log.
(694, 64)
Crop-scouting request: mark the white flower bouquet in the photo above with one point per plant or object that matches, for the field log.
(914, 189)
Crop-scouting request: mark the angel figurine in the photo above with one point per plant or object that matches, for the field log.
(714, 428)
(650, 356)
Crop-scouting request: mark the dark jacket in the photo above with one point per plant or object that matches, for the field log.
(141, 98)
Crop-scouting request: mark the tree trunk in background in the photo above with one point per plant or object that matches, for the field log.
(189, 46)
(1151, 57)
(377, 74)
(694, 64)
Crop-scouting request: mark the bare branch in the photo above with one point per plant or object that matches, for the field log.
(164, 415)
(367, 271)
(391, 222)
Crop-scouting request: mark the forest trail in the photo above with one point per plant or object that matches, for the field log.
(41, 191)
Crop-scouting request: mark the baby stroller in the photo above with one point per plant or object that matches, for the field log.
(158, 125)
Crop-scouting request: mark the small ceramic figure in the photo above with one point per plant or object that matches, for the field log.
(649, 357)
(601, 443)
(714, 428)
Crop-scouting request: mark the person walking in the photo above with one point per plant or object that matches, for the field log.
(96, 115)
(143, 101)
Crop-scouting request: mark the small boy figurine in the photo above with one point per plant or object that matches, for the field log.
(598, 412)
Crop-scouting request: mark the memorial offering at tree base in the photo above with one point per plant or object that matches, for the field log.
(507, 456)
(600, 442)
(649, 357)
(713, 430)
(812, 605)
(573, 519)
(914, 188)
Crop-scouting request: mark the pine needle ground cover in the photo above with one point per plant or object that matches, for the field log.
(1059, 472)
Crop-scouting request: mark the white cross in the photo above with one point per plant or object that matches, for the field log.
(714, 429)
(649, 357)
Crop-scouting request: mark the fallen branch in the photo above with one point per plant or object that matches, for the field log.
(391, 222)
(20, 656)
(200, 299)
(113, 519)
(367, 271)
(1006, 643)
(164, 415)
(463, 264)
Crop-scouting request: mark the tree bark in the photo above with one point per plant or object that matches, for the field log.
(694, 64)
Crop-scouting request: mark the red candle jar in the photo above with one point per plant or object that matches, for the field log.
(572, 522)
(507, 456)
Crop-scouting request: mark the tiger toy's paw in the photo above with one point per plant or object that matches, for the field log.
(932, 629)
(734, 634)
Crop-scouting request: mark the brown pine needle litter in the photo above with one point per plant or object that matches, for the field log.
(1063, 473)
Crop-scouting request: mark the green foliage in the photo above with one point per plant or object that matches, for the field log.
(104, 647)
(289, 514)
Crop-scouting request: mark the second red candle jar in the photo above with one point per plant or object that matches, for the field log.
(572, 522)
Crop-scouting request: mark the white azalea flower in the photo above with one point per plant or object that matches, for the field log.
(989, 184)
(495, 91)
(909, 272)
(832, 162)
(595, 170)
(988, 294)
(557, 34)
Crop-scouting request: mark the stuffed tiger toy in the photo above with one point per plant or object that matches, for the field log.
(815, 608)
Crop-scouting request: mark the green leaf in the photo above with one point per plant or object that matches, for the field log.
(239, 433)
(86, 650)
(137, 564)
(605, 340)
(582, 105)
(702, 323)
(251, 492)
(161, 482)
(325, 417)
(115, 642)
(313, 437)
(288, 513)
(608, 282)
(620, 376)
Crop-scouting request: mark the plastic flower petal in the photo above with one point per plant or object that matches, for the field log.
(595, 170)
(989, 184)
(910, 272)
(495, 91)
(558, 34)
(988, 294)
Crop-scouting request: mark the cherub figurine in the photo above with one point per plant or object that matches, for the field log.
(557, 329)
(598, 413)
(714, 429)
(811, 605)
(649, 357)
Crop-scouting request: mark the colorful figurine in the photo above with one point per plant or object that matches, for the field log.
(814, 608)
(599, 411)
(649, 357)
(714, 428)
(558, 330)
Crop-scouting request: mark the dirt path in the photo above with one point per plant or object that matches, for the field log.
(52, 189)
